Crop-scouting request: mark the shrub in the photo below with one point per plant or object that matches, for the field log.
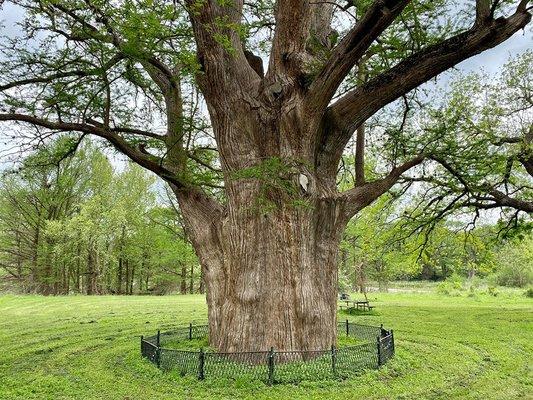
(515, 274)
(529, 292)
(452, 286)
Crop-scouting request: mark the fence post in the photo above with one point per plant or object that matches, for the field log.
(158, 350)
(190, 331)
(383, 332)
(271, 366)
(392, 340)
(158, 357)
(334, 360)
(142, 338)
(201, 362)
(347, 328)
(379, 351)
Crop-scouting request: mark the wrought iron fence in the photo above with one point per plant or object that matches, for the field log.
(375, 349)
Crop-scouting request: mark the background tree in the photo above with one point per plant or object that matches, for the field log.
(81, 227)
(374, 249)
(516, 261)
(480, 140)
(378, 248)
(47, 189)
(269, 249)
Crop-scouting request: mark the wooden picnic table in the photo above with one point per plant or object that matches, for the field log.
(358, 304)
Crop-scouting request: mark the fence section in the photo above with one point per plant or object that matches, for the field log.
(375, 349)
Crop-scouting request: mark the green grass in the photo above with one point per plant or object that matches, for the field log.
(185, 344)
(475, 347)
(180, 343)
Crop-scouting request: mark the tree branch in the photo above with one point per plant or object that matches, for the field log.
(140, 132)
(504, 200)
(352, 47)
(149, 162)
(224, 67)
(483, 11)
(293, 19)
(361, 196)
(343, 117)
(64, 74)
(498, 198)
(321, 19)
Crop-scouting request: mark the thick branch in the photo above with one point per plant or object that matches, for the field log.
(293, 18)
(352, 47)
(224, 67)
(139, 132)
(321, 18)
(504, 200)
(169, 84)
(361, 196)
(130, 131)
(358, 105)
(149, 162)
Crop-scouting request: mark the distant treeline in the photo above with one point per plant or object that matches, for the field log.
(76, 225)
(72, 223)
(382, 247)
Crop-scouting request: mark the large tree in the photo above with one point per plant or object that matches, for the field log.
(267, 238)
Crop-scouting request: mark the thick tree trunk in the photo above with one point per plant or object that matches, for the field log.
(271, 277)
(269, 259)
(281, 283)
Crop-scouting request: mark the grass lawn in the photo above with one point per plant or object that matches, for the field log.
(78, 347)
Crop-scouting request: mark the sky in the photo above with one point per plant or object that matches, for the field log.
(493, 59)
(490, 60)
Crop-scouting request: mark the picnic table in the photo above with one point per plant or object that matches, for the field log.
(357, 304)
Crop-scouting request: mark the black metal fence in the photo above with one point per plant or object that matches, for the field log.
(375, 349)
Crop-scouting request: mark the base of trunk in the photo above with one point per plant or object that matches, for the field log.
(279, 285)
(294, 325)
